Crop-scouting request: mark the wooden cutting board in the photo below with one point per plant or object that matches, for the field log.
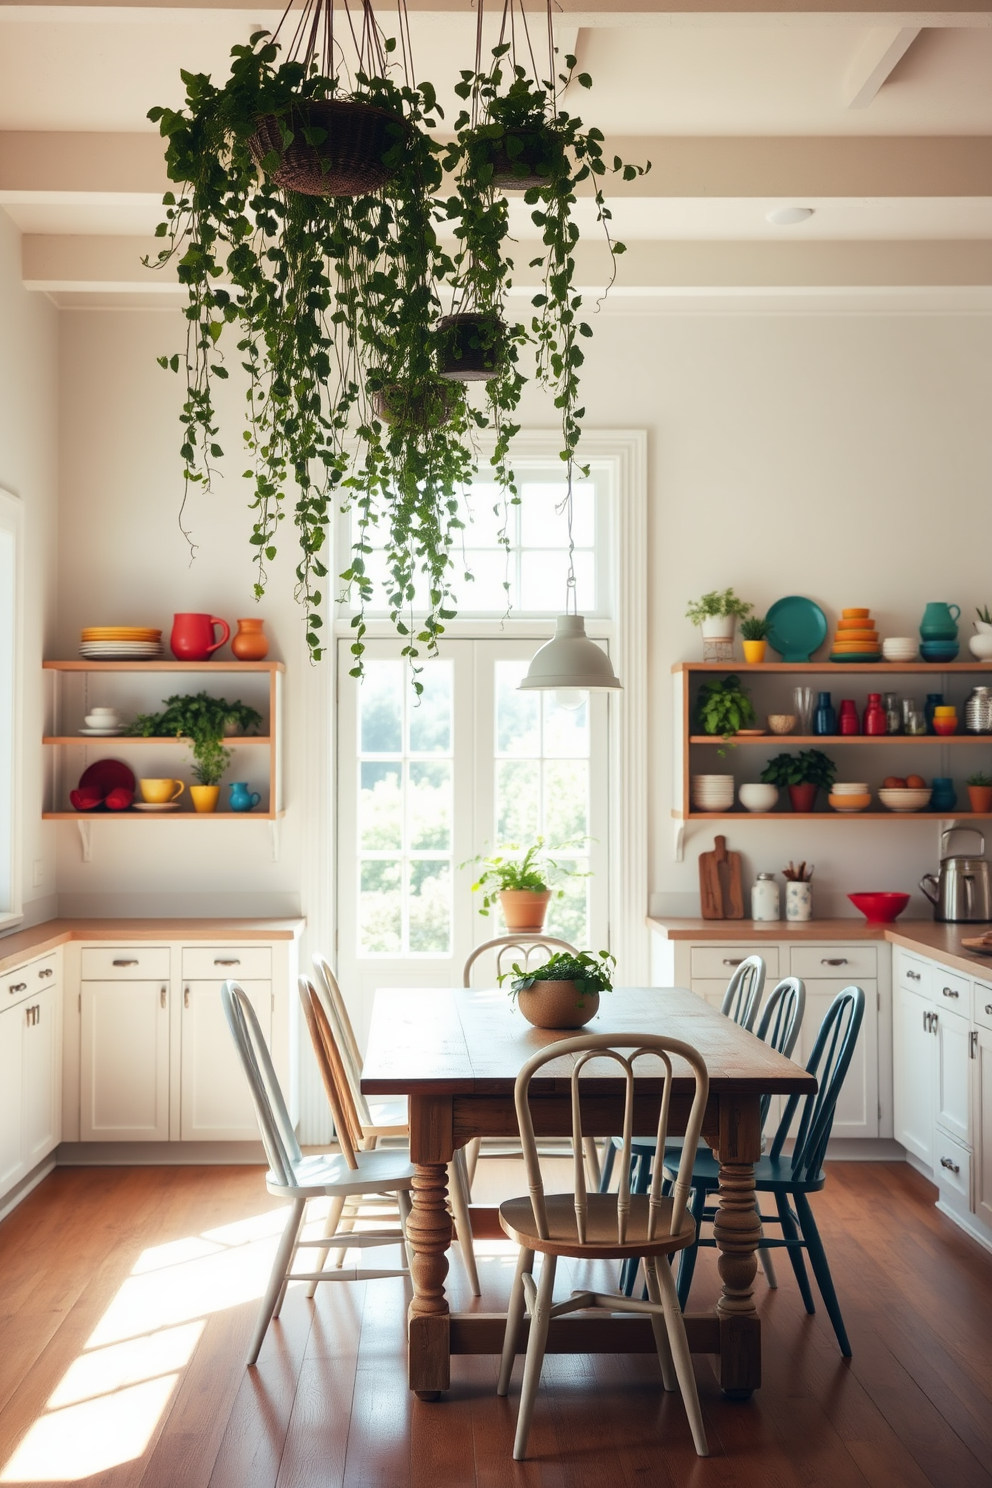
(720, 883)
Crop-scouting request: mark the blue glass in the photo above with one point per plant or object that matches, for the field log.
(943, 796)
(934, 700)
(825, 716)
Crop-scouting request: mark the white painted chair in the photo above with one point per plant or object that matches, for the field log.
(381, 1118)
(595, 1226)
(299, 1179)
(744, 990)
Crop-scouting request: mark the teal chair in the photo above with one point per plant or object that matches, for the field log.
(791, 1179)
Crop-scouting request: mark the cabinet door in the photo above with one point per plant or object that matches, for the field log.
(215, 1105)
(124, 1062)
(11, 1160)
(42, 1065)
(857, 1105)
(913, 1071)
(982, 1166)
(953, 1074)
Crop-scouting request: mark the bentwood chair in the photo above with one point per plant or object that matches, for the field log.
(794, 1177)
(603, 1226)
(329, 1052)
(521, 948)
(297, 1178)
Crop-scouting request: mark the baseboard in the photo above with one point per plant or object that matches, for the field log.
(21, 1190)
(159, 1154)
(865, 1149)
(968, 1223)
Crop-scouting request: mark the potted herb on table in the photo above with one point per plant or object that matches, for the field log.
(564, 992)
(717, 614)
(754, 637)
(804, 773)
(980, 793)
(204, 721)
(521, 886)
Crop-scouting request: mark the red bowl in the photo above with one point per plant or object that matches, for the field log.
(882, 909)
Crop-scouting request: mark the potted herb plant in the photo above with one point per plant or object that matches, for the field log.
(717, 614)
(754, 637)
(804, 774)
(724, 706)
(564, 992)
(980, 793)
(521, 885)
(204, 721)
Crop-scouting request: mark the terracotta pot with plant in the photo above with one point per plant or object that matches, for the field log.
(522, 885)
(980, 793)
(803, 773)
(204, 721)
(754, 638)
(564, 992)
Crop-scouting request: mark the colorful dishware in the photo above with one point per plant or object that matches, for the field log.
(880, 908)
(796, 627)
(192, 636)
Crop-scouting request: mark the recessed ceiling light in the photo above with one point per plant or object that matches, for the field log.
(788, 216)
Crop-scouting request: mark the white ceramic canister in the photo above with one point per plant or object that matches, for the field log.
(798, 901)
(766, 903)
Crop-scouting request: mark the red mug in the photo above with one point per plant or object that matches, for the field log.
(192, 636)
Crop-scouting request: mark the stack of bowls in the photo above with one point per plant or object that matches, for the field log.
(945, 719)
(905, 798)
(899, 648)
(712, 792)
(937, 651)
(850, 795)
(856, 638)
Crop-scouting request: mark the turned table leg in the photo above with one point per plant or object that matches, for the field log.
(737, 1231)
(429, 1232)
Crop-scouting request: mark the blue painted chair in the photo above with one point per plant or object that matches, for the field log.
(792, 1178)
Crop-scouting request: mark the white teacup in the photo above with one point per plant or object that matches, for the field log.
(100, 718)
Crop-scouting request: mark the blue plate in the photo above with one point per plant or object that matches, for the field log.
(796, 627)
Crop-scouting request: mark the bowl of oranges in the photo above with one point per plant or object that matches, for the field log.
(904, 794)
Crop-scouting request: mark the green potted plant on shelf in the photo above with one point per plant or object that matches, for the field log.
(717, 614)
(204, 721)
(980, 793)
(724, 706)
(564, 992)
(754, 637)
(804, 774)
(522, 886)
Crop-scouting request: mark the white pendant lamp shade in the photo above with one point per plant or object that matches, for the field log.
(570, 659)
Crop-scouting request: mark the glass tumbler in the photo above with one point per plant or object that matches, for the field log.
(802, 701)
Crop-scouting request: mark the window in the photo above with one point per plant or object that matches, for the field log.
(10, 529)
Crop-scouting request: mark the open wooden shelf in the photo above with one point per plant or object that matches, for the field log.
(112, 741)
(199, 816)
(785, 815)
(832, 668)
(163, 666)
(825, 741)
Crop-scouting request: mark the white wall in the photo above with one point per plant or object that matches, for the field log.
(28, 468)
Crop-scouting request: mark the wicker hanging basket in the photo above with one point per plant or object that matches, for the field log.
(471, 347)
(426, 407)
(518, 169)
(348, 162)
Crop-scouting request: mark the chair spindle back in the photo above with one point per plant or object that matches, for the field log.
(829, 1061)
(780, 1022)
(523, 945)
(332, 1072)
(274, 1123)
(743, 994)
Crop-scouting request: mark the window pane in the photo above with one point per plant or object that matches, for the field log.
(430, 718)
(476, 510)
(381, 704)
(518, 714)
(380, 907)
(430, 905)
(430, 806)
(543, 522)
(491, 571)
(543, 577)
(566, 730)
(566, 800)
(569, 917)
(518, 801)
(380, 807)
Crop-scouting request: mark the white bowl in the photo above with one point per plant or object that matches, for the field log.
(758, 797)
(900, 648)
(895, 799)
(849, 788)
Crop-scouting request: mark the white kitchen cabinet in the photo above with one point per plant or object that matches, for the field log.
(215, 1104)
(41, 1100)
(914, 1071)
(953, 1076)
(11, 1160)
(124, 1061)
(857, 1105)
(982, 1113)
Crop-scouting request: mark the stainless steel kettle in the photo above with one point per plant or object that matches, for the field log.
(962, 891)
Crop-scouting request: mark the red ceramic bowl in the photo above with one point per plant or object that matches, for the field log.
(880, 908)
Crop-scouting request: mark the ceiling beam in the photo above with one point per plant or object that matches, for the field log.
(876, 59)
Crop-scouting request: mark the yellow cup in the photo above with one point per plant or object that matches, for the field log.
(158, 792)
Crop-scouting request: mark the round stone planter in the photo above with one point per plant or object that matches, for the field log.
(557, 1005)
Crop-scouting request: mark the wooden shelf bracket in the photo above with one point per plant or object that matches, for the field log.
(86, 838)
(678, 840)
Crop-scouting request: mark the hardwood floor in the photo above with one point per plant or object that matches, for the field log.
(127, 1296)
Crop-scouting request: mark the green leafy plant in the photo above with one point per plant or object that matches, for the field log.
(202, 720)
(755, 628)
(980, 778)
(589, 973)
(808, 767)
(723, 707)
(535, 871)
(984, 614)
(717, 602)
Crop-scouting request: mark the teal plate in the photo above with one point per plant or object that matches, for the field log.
(796, 627)
(843, 660)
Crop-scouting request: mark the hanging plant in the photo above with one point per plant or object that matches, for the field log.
(305, 234)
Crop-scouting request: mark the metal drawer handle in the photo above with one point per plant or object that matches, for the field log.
(46, 972)
(945, 1162)
(132, 962)
(185, 997)
(234, 961)
(950, 992)
(914, 976)
(17, 987)
(973, 1043)
(162, 996)
(833, 961)
(988, 1008)
(727, 961)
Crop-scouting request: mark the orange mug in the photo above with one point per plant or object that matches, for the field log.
(192, 636)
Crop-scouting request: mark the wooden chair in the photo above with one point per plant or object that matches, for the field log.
(333, 1063)
(297, 1178)
(599, 1226)
(795, 1177)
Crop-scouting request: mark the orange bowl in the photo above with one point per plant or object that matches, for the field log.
(855, 614)
(845, 802)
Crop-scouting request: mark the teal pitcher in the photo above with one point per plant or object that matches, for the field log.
(940, 622)
(242, 799)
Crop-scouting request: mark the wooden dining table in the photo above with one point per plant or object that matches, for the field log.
(455, 1054)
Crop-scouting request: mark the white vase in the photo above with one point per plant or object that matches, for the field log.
(983, 627)
(718, 627)
(798, 901)
(980, 645)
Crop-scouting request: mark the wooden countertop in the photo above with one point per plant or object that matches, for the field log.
(942, 942)
(36, 941)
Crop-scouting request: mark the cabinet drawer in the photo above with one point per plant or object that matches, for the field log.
(28, 980)
(951, 989)
(723, 960)
(217, 963)
(952, 1166)
(125, 963)
(911, 972)
(983, 1004)
(847, 961)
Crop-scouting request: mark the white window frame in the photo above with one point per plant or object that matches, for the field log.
(11, 712)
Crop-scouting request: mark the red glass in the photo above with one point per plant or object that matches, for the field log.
(847, 719)
(874, 719)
